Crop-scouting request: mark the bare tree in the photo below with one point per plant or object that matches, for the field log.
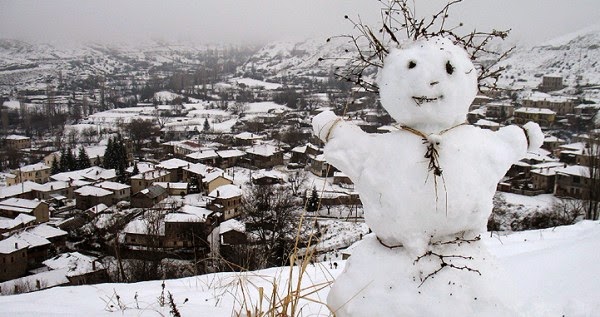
(270, 214)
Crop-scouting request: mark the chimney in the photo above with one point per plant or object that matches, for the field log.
(16, 245)
(94, 265)
(218, 194)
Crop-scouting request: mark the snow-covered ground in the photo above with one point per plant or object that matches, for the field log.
(556, 271)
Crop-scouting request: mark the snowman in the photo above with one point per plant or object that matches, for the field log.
(426, 189)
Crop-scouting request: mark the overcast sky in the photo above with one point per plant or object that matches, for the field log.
(239, 21)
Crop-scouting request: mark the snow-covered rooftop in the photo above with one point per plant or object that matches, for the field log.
(232, 225)
(173, 164)
(226, 192)
(112, 185)
(75, 263)
(265, 150)
(93, 191)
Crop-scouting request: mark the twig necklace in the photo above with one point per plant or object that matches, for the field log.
(432, 154)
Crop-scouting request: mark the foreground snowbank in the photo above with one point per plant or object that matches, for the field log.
(557, 271)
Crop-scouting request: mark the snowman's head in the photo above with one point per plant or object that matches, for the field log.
(428, 84)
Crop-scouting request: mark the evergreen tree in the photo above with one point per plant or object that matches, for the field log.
(313, 202)
(206, 126)
(69, 161)
(63, 165)
(83, 160)
(55, 166)
(136, 170)
(108, 162)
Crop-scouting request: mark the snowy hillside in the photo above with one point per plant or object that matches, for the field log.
(556, 271)
(575, 56)
(298, 59)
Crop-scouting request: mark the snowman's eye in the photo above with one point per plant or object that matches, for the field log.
(449, 68)
(412, 64)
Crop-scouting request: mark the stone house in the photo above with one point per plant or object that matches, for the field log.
(148, 197)
(227, 200)
(175, 189)
(175, 167)
(232, 232)
(543, 176)
(263, 156)
(499, 111)
(551, 83)
(573, 181)
(247, 139)
(12, 207)
(18, 142)
(562, 106)
(39, 173)
(120, 191)
(79, 269)
(89, 196)
(229, 158)
(146, 179)
(321, 168)
(13, 259)
(544, 117)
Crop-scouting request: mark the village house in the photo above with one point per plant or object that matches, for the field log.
(175, 167)
(89, 196)
(499, 111)
(264, 177)
(229, 158)
(148, 197)
(263, 156)
(185, 148)
(8, 225)
(232, 232)
(321, 168)
(573, 181)
(560, 105)
(37, 248)
(140, 232)
(551, 83)
(18, 142)
(227, 200)
(79, 269)
(247, 139)
(206, 177)
(120, 191)
(56, 236)
(146, 179)
(303, 154)
(12, 207)
(568, 153)
(552, 144)
(13, 258)
(39, 173)
(206, 156)
(184, 230)
(542, 116)
(23, 190)
(174, 189)
(543, 176)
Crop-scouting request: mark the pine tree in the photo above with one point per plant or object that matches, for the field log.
(68, 161)
(206, 126)
(83, 160)
(313, 202)
(55, 166)
(63, 165)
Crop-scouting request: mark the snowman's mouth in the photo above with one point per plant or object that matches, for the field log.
(420, 100)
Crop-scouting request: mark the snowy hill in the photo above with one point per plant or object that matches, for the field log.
(556, 271)
(575, 56)
(298, 59)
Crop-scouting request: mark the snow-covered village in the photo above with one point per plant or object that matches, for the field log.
(408, 165)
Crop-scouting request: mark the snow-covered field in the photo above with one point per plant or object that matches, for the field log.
(556, 271)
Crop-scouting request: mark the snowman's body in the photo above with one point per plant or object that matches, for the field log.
(402, 203)
(412, 208)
